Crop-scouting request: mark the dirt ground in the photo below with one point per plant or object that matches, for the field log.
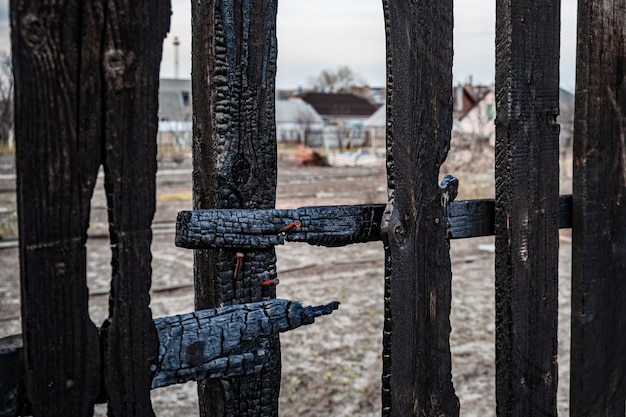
(331, 368)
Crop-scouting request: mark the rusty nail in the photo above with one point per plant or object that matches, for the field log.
(269, 282)
(239, 256)
(295, 224)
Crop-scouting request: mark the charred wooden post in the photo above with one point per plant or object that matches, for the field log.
(86, 93)
(527, 206)
(233, 70)
(417, 379)
(599, 214)
(223, 342)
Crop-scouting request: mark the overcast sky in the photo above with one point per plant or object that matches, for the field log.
(326, 34)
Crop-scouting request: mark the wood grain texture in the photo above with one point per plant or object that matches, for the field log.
(57, 157)
(131, 57)
(417, 379)
(599, 213)
(233, 79)
(527, 206)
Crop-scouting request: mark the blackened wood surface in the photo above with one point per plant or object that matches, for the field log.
(527, 206)
(236, 228)
(57, 128)
(324, 225)
(13, 400)
(227, 341)
(233, 71)
(417, 378)
(599, 214)
(230, 340)
(132, 44)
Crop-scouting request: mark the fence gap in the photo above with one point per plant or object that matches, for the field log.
(527, 206)
(599, 214)
(416, 348)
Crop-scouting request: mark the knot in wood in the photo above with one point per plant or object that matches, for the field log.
(399, 233)
(114, 62)
(33, 31)
(60, 269)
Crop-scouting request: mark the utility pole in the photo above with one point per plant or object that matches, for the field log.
(176, 44)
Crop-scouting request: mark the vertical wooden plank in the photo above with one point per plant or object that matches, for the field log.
(417, 378)
(56, 126)
(599, 213)
(233, 79)
(131, 54)
(527, 206)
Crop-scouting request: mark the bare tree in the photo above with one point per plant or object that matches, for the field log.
(6, 98)
(339, 81)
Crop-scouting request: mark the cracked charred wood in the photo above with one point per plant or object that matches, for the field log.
(226, 341)
(324, 226)
(223, 342)
(234, 51)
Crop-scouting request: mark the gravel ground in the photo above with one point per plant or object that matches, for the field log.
(333, 367)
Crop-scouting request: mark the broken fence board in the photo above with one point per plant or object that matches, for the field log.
(57, 159)
(224, 342)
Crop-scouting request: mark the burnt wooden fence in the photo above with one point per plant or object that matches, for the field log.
(86, 95)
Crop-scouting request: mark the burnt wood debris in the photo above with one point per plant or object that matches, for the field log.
(223, 342)
(86, 80)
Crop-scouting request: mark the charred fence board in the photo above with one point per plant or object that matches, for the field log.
(234, 146)
(417, 379)
(527, 206)
(57, 161)
(227, 341)
(324, 225)
(132, 45)
(599, 213)
(86, 94)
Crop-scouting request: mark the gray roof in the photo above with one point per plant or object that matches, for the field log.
(174, 98)
(296, 111)
(378, 119)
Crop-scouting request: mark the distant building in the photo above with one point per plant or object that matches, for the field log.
(343, 116)
(474, 112)
(298, 122)
(175, 115)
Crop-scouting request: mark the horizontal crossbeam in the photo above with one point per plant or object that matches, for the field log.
(325, 225)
